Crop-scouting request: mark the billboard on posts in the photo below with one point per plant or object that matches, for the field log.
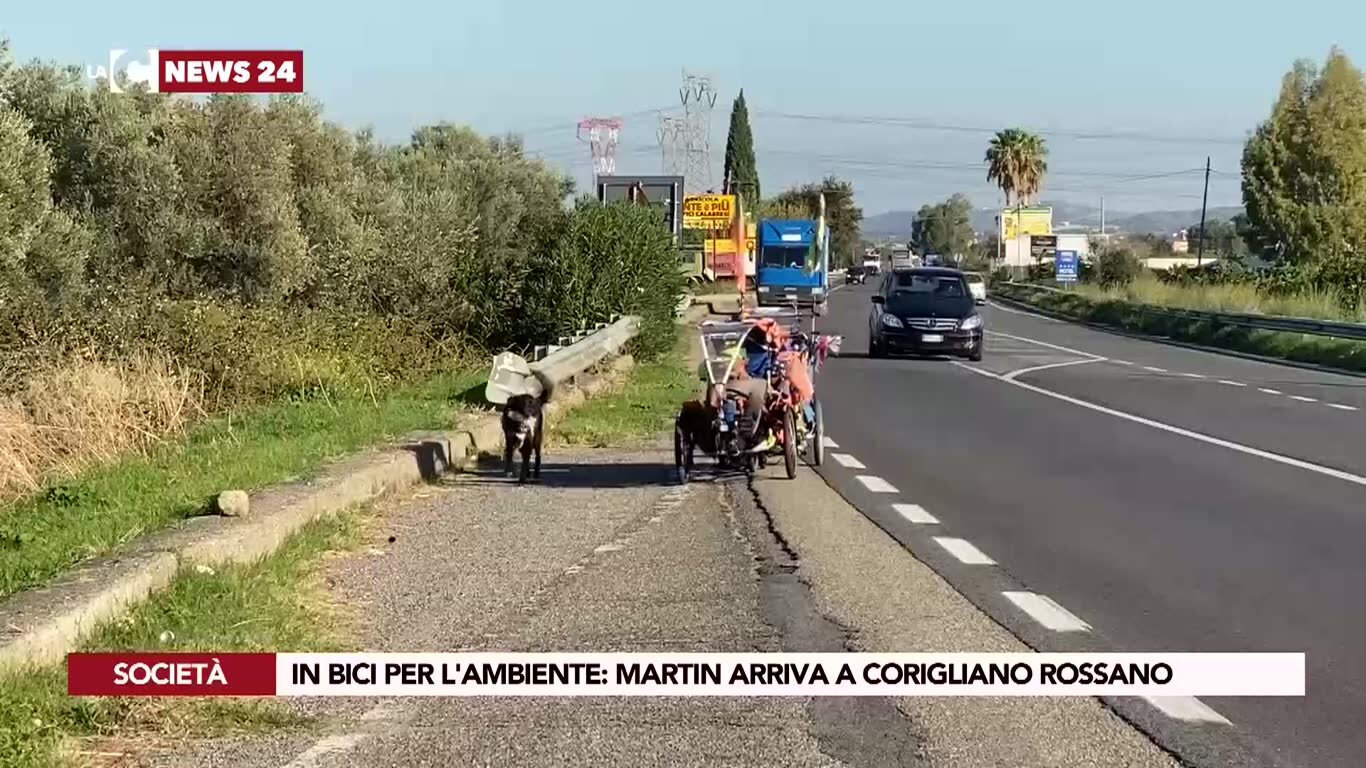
(1035, 220)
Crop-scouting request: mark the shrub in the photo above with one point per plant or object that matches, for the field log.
(1116, 266)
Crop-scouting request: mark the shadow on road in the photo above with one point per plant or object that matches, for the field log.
(599, 475)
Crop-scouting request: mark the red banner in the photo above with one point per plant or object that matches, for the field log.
(170, 674)
(231, 71)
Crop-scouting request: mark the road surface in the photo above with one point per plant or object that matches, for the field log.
(1167, 499)
(608, 554)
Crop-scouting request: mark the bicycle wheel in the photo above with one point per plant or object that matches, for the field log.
(818, 436)
(789, 444)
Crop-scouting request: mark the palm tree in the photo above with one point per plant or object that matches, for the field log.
(1017, 161)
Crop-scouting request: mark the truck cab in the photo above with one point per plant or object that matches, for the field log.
(783, 271)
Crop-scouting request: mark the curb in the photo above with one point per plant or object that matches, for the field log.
(40, 626)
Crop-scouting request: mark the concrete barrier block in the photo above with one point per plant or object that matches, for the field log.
(40, 626)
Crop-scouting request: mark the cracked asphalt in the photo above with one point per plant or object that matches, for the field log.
(608, 554)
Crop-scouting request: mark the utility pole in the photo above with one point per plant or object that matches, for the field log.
(1102, 218)
(1200, 250)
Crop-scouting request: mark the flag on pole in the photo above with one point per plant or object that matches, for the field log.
(813, 256)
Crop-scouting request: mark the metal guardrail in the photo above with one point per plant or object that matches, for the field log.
(588, 350)
(556, 364)
(1304, 325)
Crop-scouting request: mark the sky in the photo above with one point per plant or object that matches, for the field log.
(899, 98)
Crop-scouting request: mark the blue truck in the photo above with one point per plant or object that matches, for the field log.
(793, 263)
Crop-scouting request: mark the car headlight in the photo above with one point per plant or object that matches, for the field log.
(970, 323)
(892, 321)
(763, 289)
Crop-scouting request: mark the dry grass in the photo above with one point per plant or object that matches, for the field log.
(86, 413)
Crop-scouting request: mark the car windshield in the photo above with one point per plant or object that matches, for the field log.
(974, 278)
(938, 285)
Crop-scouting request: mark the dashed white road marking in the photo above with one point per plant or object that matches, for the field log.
(1044, 610)
(1270, 391)
(1341, 407)
(916, 514)
(1239, 447)
(1154, 369)
(1194, 375)
(1232, 383)
(1303, 399)
(1023, 371)
(1121, 362)
(845, 460)
(877, 484)
(964, 551)
(1186, 708)
(614, 547)
(828, 443)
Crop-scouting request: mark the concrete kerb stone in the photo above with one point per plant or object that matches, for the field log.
(40, 626)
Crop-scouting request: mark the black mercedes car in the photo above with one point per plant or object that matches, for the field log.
(926, 311)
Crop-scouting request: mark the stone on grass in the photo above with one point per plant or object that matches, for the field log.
(234, 503)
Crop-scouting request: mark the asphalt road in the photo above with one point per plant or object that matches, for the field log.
(1167, 499)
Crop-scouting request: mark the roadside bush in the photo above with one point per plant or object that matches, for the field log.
(1116, 266)
(260, 253)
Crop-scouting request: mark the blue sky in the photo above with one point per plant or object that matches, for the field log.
(1202, 71)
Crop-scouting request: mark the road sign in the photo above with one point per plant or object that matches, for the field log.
(708, 211)
(1067, 266)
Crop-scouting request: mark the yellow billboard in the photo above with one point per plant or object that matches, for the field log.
(1026, 221)
(708, 211)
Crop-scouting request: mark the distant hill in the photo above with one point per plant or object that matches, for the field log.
(897, 224)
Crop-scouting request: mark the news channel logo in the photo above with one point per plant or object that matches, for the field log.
(134, 72)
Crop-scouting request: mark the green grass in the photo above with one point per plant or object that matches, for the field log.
(99, 511)
(643, 407)
(1115, 310)
(1233, 297)
(271, 605)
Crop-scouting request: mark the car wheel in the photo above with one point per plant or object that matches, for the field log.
(874, 349)
(976, 355)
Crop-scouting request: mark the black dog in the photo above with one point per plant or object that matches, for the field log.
(524, 428)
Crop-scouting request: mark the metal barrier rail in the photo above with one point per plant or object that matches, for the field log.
(1305, 325)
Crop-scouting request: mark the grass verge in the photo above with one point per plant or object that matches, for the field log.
(96, 512)
(1132, 317)
(274, 604)
(644, 406)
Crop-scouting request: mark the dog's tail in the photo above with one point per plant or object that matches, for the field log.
(547, 386)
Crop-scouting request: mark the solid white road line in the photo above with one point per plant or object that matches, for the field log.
(1270, 391)
(964, 551)
(915, 514)
(1121, 362)
(1038, 343)
(1239, 447)
(1023, 371)
(1186, 708)
(1341, 407)
(1042, 609)
(1303, 399)
(845, 460)
(1154, 369)
(828, 443)
(1012, 311)
(1232, 383)
(877, 484)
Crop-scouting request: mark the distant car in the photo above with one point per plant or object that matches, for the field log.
(978, 285)
(856, 275)
(925, 310)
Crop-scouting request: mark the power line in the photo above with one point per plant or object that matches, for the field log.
(914, 123)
